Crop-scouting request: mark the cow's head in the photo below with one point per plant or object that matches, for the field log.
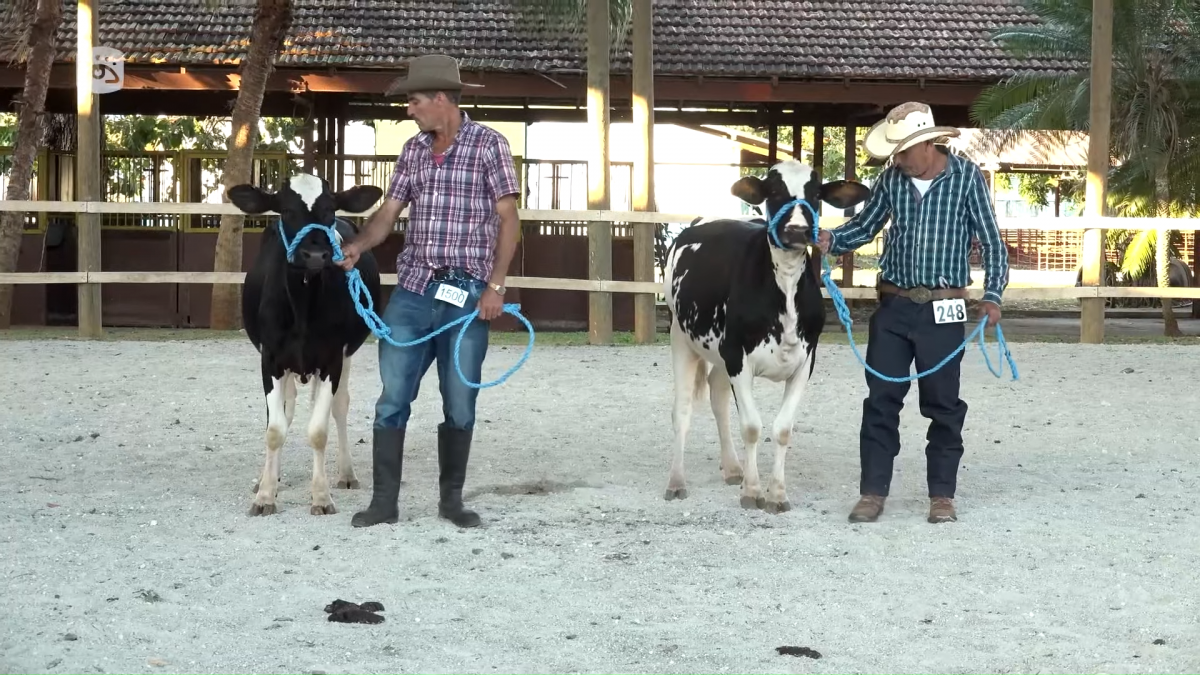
(302, 200)
(788, 181)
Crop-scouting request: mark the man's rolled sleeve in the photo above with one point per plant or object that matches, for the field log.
(401, 186)
(995, 253)
(500, 170)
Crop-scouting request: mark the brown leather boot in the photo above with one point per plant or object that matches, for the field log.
(941, 510)
(867, 509)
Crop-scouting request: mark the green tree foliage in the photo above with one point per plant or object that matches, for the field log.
(1155, 124)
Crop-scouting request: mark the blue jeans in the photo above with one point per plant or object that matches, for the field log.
(411, 316)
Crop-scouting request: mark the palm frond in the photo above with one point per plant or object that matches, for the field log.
(17, 18)
(569, 17)
(1139, 254)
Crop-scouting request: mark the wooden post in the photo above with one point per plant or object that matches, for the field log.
(599, 233)
(88, 168)
(851, 154)
(645, 316)
(1091, 310)
(772, 137)
(819, 149)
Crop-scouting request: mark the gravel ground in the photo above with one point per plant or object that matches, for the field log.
(126, 546)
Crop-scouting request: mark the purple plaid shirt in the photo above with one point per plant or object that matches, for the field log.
(452, 218)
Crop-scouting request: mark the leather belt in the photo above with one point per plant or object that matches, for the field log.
(922, 294)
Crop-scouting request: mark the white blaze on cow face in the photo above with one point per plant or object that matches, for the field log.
(308, 187)
(796, 177)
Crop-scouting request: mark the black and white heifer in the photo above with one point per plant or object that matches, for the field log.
(744, 307)
(300, 316)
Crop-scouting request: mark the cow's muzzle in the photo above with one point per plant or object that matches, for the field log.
(314, 259)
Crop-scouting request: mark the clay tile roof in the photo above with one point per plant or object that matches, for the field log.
(873, 39)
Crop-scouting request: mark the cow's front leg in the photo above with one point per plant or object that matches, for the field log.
(793, 392)
(751, 423)
(268, 481)
(318, 437)
(341, 410)
(288, 384)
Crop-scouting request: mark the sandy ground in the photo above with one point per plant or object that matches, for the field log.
(126, 547)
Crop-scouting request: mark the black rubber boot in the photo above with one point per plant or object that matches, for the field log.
(387, 453)
(454, 447)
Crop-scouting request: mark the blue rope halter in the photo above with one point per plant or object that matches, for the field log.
(843, 312)
(358, 291)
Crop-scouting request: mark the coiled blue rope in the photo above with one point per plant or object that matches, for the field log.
(358, 291)
(843, 312)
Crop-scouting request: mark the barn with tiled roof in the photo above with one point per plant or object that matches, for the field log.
(847, 59)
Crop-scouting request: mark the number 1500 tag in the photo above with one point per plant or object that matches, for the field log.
(451, 294)
(952, 310)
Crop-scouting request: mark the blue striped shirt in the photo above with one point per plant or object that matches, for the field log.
(929, 242)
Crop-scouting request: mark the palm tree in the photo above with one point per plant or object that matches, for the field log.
(1155, 104)
(33, 41)
(272, 18)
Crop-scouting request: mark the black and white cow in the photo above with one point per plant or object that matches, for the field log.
(300, 316)
(744, 307)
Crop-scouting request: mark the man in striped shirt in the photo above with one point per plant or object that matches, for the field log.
(460, 179)
(937, 202)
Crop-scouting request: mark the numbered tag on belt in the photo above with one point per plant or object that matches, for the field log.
(451, 294)
(952, 310)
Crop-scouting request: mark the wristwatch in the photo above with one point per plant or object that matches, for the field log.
(496, 287)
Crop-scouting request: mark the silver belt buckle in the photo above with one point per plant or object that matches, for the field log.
(920, 295)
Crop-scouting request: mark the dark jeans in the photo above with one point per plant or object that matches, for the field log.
(902, 331)
(410, 316)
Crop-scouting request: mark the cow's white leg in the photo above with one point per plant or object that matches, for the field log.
(318, 436)
(751, 423)
(289, 411)
(793, 393)
(341, 410)
(685, 365)
(289, 398)
(720, 395)
(268, 482)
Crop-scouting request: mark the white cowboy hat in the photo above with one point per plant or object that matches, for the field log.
(433, 72)
(904, 126)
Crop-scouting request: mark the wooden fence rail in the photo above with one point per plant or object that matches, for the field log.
(646, 218)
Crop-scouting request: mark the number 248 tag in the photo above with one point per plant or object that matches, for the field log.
(951, 310)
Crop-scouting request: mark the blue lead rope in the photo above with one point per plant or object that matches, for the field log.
(358, 291)
(843, 312)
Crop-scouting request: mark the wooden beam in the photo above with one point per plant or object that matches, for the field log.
(1091, 310)
(645, 309)
(529, 86)
(89, 170)
(589, 285)
(599, 192)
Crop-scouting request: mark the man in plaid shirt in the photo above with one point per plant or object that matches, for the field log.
(937, 202)
(460, 180)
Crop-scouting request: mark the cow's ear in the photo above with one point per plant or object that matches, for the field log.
(252, 200)
(844, 194)
(749, 189)
(358, 198)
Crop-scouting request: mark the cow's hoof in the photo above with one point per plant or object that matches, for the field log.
(327, 510)
(777, 507)
(749, 502)
(257, 509)
(344, 484)
(675, 493)
(733, 480)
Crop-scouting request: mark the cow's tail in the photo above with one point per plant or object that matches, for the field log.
(700, 387)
